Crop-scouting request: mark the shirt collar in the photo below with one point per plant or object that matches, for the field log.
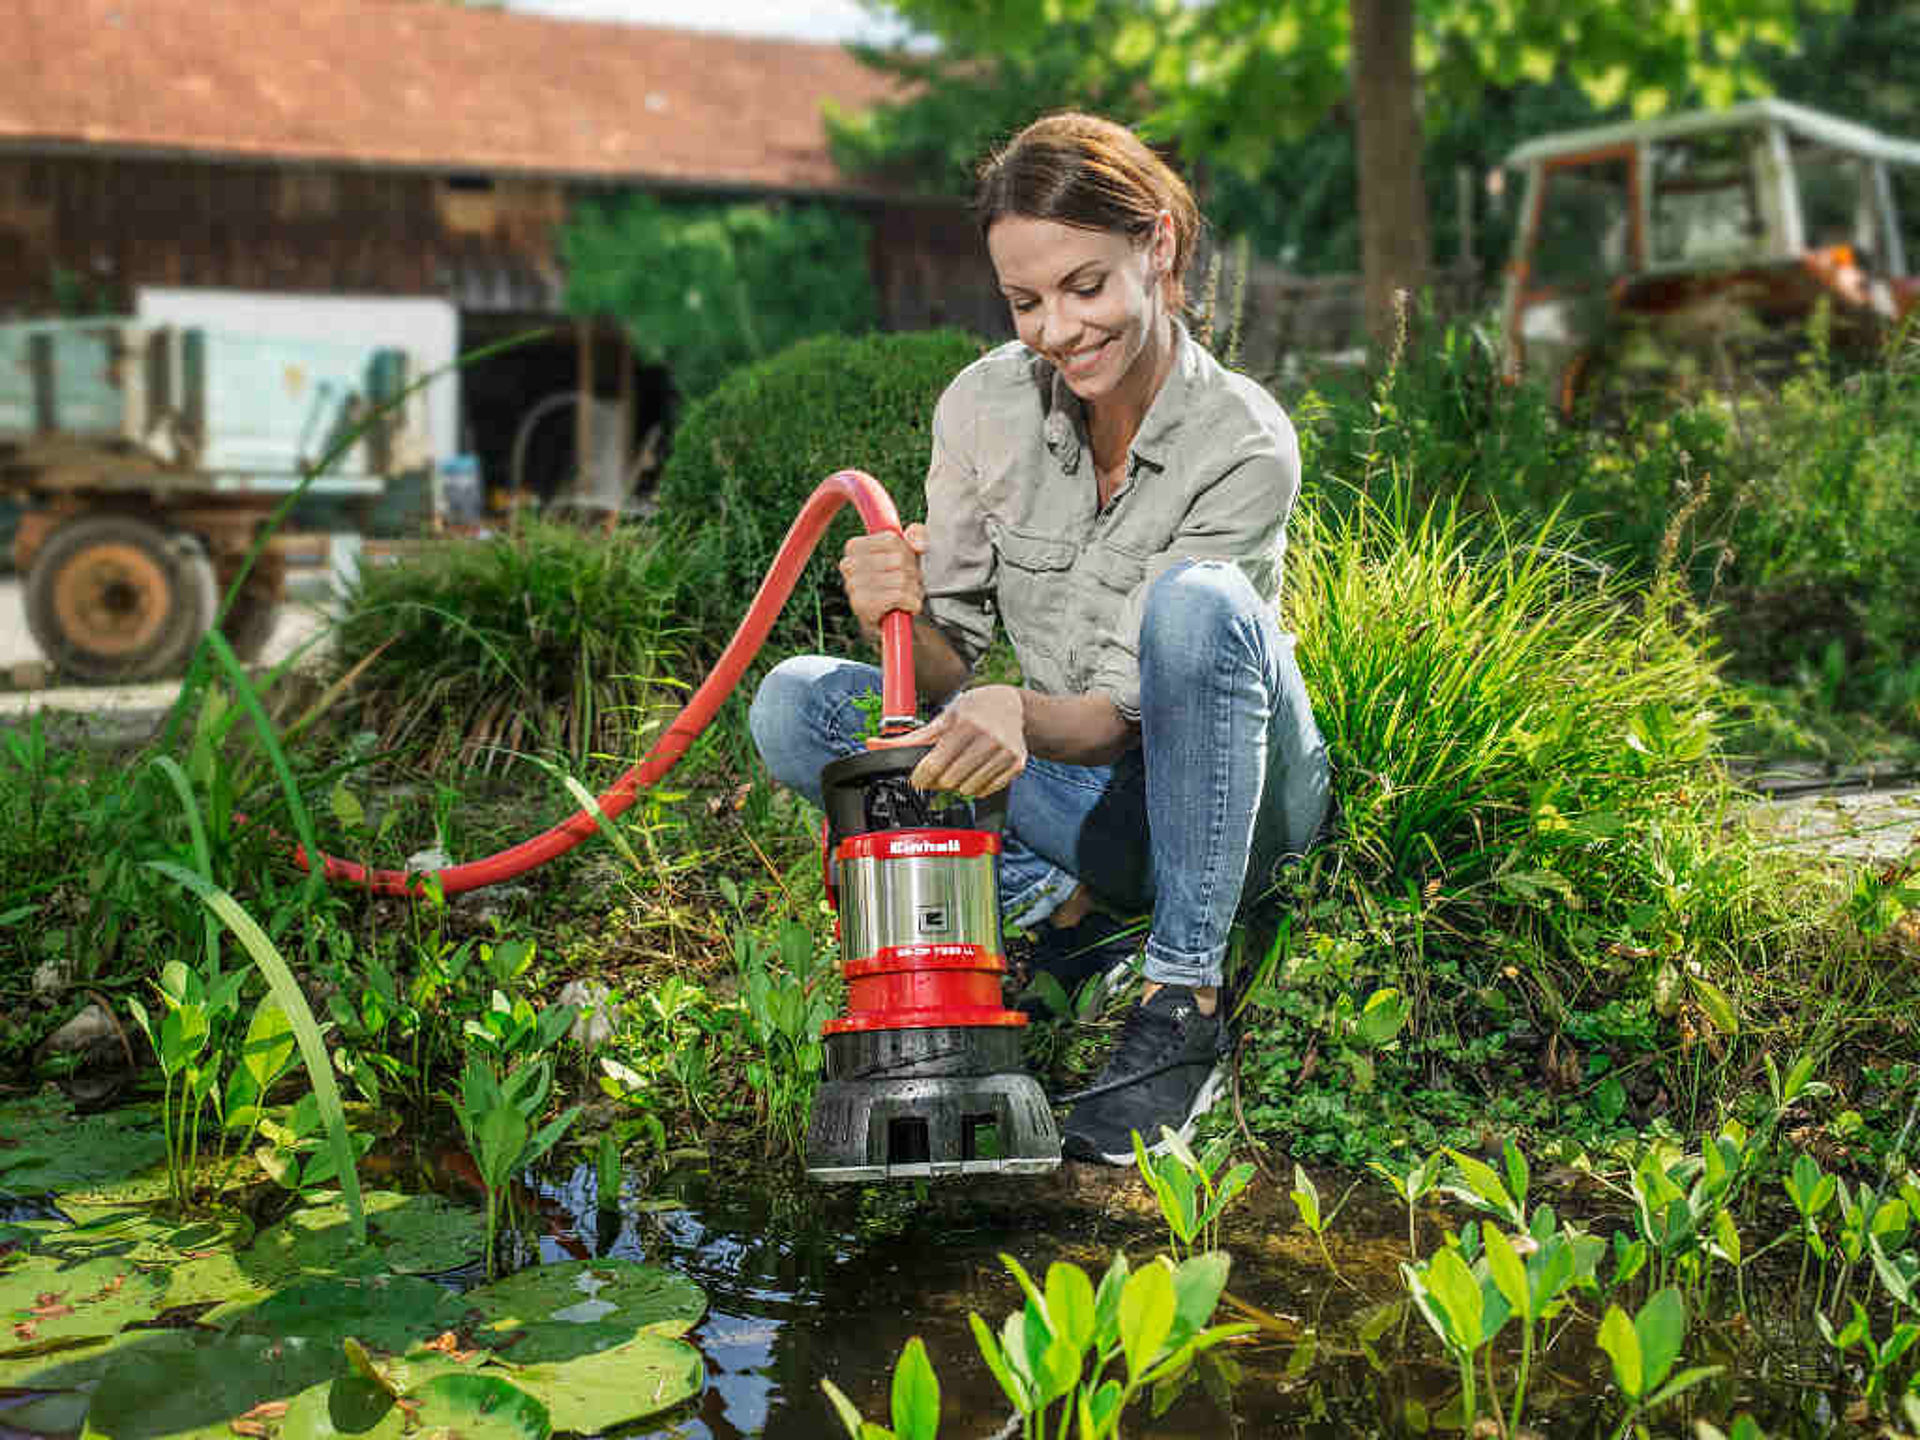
(1065, 426)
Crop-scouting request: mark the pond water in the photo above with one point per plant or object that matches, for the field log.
(807, 1282)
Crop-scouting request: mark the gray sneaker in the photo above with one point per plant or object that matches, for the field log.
(1167, 1069)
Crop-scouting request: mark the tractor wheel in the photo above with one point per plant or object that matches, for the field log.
(115, 597)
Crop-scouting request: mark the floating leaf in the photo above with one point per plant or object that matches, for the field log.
(60, 1151)
(47, 1303)
(556, 1312)
(175, 1385)
(595, 1392)
(388, 1312)
(479, 1407)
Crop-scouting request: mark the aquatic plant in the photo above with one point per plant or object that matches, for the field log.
(497, 1116)
(1051, 1356)
(1643, 1350)
(1192, 1191)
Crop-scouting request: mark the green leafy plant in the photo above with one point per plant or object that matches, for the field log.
(1193, 1191)
(786, 997)
(1412, 1186)
(498, 1117)
(915, 1397)
(1643, 1350)
(1057, 1349)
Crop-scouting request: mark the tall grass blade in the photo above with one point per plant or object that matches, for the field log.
(249, 699)
(306, 1033)
(202, 854)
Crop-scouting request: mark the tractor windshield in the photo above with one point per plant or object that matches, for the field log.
(1839, 204)
(1705, 208)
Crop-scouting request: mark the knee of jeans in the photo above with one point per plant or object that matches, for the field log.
(1191, 606)
(777, 717)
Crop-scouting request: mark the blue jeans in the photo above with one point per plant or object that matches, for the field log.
(1230, 777)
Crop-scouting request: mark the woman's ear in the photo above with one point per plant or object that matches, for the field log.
(1164, 246)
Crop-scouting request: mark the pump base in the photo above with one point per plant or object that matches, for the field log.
(907, 1104)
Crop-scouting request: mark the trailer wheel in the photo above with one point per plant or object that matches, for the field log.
(115, 597)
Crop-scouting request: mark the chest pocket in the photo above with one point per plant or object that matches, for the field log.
(1035, 596)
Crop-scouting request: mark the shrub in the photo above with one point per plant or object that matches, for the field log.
(547, 637)
(749, 455)
(1794, 515)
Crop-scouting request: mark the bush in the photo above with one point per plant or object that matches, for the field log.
(749, 455)
(1794, 515)
(545, 638)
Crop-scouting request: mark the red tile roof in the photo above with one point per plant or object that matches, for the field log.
(424, 85)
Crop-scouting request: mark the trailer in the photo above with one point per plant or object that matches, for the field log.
(145, 457)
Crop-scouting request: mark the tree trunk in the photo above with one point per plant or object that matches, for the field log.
(1394, 243)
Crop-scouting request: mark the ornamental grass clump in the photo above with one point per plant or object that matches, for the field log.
(546, 638)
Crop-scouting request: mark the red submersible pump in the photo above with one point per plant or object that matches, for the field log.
(923, 1073)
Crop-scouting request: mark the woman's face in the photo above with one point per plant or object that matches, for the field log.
(1088, 300)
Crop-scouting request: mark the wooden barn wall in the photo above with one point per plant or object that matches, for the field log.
(113, 224)
(105, 226)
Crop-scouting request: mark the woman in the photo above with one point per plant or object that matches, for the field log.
(1119, 500)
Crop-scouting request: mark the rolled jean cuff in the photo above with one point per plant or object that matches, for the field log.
(1035, 901)
(1192, 969)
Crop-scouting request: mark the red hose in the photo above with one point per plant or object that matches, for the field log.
(896, 695)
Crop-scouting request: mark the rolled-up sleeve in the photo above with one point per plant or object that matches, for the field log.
(958, 568)
(1238, 515)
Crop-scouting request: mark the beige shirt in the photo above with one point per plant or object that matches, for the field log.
(1015, 529)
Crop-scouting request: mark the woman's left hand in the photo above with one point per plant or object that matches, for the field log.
(979, 743)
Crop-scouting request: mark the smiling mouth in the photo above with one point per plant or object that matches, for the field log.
(1081, 361)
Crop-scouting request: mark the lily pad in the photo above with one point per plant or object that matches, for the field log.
(428, 1233)
(351, 1406)
(57, 1414)
(479, 1407)
(46, 1147)
(46, 1303)
(141, 1235)
(406, 1233)
(177, 1384)
(386, 1312)
(558, 1312)
(593, 1393)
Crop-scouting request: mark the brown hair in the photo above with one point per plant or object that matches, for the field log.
(1085, 171)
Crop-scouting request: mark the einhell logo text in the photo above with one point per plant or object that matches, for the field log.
(923, 847)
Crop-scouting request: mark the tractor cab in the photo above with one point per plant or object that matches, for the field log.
(1692, 250)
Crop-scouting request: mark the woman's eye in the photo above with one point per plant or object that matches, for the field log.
(1089, 291)
(1023, 306)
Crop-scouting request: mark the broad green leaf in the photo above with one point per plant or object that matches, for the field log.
(1484, 1186)
(348, 1408)
(1383, 1016)
(47, 1302)
(556, 1312)
(1012, 1385)
(269, 1046)
(479, 1407)
(1622, 1343)
(603, 1389)
(389, 1312)
(178, 1384)
(916, 1394)
(1508, 1271)
(1662, 1328)
(1198, 1283)
(1106, 1302)
(1684, 1381)
(500, 1140)
(1716, 1003)
(1070, 1304)
(1458, 1292)
(843, 1407)
(1146, 1316)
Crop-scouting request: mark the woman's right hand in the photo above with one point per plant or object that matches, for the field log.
(881, 573)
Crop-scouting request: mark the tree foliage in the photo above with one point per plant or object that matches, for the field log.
(1254, 96)
(704, 288)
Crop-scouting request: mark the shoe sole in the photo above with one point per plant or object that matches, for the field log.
(1209, 1095)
